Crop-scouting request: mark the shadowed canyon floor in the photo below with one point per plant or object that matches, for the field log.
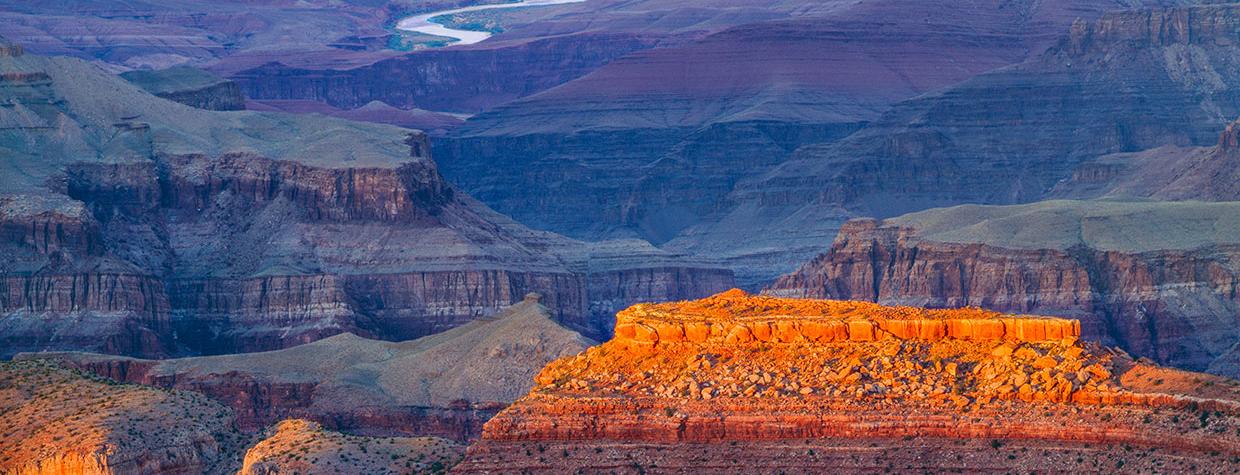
(745, 384)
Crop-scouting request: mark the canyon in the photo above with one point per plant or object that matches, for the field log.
(139, 226)
(651, 144)
(1126, 82)
(1158, 279)
(263, 237)
(751, 384)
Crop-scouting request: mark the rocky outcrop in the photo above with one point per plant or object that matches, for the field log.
(298, 446)
(1157, 279)
(445, 385)
(60, 421)
(683, 402)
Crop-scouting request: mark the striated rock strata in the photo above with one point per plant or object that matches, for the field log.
(1127, 82)
(968, 389)
(1157, 279)
(445, 385)
(60, 421)
(653, 142)
(131, 224)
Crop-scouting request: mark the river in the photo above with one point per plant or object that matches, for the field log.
(422, 23)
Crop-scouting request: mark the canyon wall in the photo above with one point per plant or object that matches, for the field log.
(203, 232)
(1006, 136)
(1173, 302)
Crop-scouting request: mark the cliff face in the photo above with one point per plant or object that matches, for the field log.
(446, 385)
(968, 384)
(1174, 302)
(246, 231)
(190, 86)
(61, 421)
(1054, 111)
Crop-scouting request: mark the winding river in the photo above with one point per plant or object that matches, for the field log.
(423, 24)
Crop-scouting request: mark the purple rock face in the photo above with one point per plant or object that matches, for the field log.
(656, 144)
(198, 231)
(1121, 84)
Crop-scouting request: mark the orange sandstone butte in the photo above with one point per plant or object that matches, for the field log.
(748, 384)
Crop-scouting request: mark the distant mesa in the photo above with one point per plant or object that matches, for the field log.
(1159, 279)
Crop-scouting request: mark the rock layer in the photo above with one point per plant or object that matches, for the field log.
(631, 406)
(1003, 137)
(190, 86)
(1159, 280)
(658, 138)
(194, 231)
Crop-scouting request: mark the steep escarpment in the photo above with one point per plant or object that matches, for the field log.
(744, 384)
(243, 231)
(445, 385)
(1127, 82)
(190, 86)
(60, 421)
(1157, 279)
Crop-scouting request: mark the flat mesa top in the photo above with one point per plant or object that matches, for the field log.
(736, 304)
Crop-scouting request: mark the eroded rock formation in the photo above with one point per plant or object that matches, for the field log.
(1168, 173)
(190, 86)
(1157, 279)
(655, 400)
(246, 231)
